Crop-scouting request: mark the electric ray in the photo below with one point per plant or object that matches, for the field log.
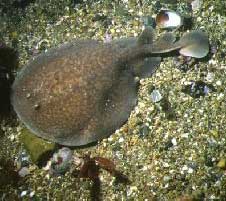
(83, 91)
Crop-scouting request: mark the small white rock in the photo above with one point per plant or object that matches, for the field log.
(174, 141)
(218, 83)
(185, 115)
(196, 4)
(194, 188)
(121, 140)
(213, 62)
(190, 170)
(23, 193)
(199, 19)
(165, 164)
(210, 77)
(185, 168)
(166, 178)
(32, 194)
(190, 158)
(156, 96)
(220, 96)
(110, 139)
(48, 165)
(12, 137)
(133, 188)
(185, 135)
(166, 186)
(24, 171)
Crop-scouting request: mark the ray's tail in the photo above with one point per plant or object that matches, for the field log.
(193, 44)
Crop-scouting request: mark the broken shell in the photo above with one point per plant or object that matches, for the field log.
(168, 19)
(156, 96)
(196, 4)
(61, 161)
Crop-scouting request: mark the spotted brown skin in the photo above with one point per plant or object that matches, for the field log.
(75, 94)
(83, 91)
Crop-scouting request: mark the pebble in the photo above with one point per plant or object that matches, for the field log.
(32, 194)
(121, 140)
(185, 135)
(206, 90)
(24, 171)
(210, 77)
(185, 168)
(166, 186)
(218, 83)
(165, 165)
(156, 96)
(23, 160)
(23, 193)
(212, 62)
(166, 178)
(222, 163)
(196, 4)
(131, 190)
(174, 141)
(110, 139)
(107, 38)
(190, 170)
(12, 137)
(144, 131)
(220, 96)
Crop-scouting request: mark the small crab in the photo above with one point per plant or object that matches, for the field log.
(88, 167)
(84, 167)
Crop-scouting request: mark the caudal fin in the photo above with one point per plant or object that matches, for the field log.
(194, 44)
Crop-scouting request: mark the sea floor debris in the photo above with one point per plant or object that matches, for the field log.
(183, 157)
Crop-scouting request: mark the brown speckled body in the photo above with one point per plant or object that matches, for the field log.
(83, 91)
(75, 94)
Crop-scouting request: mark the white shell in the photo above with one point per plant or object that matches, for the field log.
(173, 19)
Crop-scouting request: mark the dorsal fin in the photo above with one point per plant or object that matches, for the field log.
(164, 43)
(146, 37)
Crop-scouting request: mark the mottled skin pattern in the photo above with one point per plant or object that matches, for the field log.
(74, 96)
(83, 91)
